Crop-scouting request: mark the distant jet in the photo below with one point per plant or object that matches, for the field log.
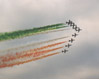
(74, 35)
(78, 29)
(64, 51)
(69, 23)
(71, 40)
(68, 45)
(74, 26)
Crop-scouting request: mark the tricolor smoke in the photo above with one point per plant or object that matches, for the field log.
(34, 51)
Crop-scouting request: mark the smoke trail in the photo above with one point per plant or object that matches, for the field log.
(29, 32)
(19, 61)
(34, 44)
(19, 57)
(50, 31)
(26, 55)
(10, 65)
(9, 57)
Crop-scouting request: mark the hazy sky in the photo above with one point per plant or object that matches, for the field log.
(81, 62)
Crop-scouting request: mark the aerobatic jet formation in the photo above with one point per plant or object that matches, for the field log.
(77, 29)
(38, 44)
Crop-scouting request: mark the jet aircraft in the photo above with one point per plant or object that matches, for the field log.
(69, 23)
(68, 45)
(74, 35)
(71, 40)
(64, 51)
(78, 29)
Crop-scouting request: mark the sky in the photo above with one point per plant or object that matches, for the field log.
(82, 60)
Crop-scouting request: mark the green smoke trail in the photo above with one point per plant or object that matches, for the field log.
(29, 32)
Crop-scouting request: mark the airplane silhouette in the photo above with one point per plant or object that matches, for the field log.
(68, 45)
(71, 40)
(74, 26)
(79, 29)
(74, 35)
(64, 51)
(69, 23)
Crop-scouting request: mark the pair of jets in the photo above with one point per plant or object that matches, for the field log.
(73, 25)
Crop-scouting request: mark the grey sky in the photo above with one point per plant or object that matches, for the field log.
(81, 62)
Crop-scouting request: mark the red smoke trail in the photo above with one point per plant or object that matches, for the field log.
(17, 63)
(34, 44)
(34, 54)
(9, 57)
(51, 45)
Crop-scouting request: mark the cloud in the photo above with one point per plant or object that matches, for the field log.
(82, 59)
